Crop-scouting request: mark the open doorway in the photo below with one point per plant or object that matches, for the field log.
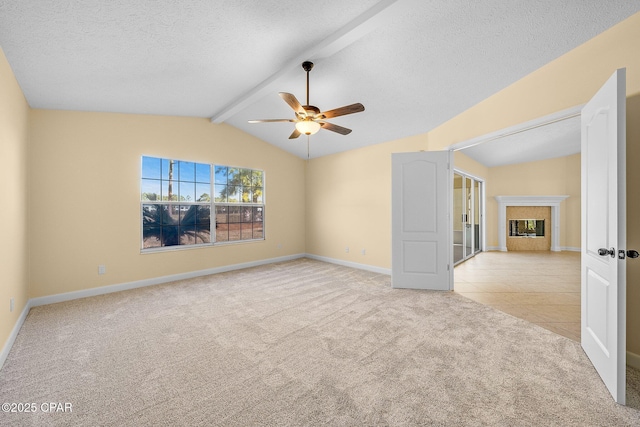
(530, 290)
(524, 162)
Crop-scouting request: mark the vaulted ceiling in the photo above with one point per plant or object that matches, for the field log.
(414, 64)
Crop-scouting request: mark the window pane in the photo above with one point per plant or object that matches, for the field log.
(203, 235)
(187, 191)
(221, 175)
(222, 232)
(188, 214)
(151, 215)
(234, 214)
(187, 171)
(245, 177)
(246, 232)
(256, 179)
(247, 214)
(150, 189)
(246, 194)
(221, 194)
(233, 176)
(257, 195)
(188, 235)
(151, 237)
(233, 194)
(169, 169)
(234, 232)
(172, 215)
(222, 215)
(258, 232)
(202, 192)
(151, 167)
(203, 216)
(170, 235)
(257, 214)
(203, 173)
(169, 191)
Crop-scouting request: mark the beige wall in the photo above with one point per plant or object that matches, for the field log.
(469, 166)
(349, 203)
(553, 177)
(569, 81)
(85, 202)
(13, 208)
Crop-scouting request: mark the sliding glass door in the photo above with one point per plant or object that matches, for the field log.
(467, 219)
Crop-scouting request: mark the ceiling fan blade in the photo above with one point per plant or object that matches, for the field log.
(295, 134)
(293, 103)
(334, 128)
(343, 111)
(271, 120)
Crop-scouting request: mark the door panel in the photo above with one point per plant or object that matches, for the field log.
(421, 230)
(603, 279)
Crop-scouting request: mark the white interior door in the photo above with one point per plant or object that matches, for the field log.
(421, 229)
(603, 281)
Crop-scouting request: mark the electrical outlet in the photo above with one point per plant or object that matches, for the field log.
(102, 269)
(363, 252)
(279, 245)
(12, 303)
(346, 249)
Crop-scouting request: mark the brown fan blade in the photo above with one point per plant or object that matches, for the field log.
(334, 128)
(343, 111)
(293, 103)
(295, 134)
(271, 120)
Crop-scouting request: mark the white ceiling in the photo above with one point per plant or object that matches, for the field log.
(554, 139)
(414, 64)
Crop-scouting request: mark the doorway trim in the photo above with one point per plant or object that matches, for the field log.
(519, 128)
(552, 201)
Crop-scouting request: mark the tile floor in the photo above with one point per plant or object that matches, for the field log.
(540, 287)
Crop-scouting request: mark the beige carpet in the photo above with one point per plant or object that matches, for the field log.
(298, 343)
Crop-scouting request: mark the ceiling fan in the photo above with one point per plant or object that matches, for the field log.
(309, 119)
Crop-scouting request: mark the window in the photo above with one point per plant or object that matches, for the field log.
(176, 203)
(239, 206)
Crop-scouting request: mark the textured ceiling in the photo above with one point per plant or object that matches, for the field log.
(557, 139)
(414, 64)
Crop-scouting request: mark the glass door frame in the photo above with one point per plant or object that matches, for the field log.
(468, 218)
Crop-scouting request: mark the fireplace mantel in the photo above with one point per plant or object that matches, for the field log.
(552, 201)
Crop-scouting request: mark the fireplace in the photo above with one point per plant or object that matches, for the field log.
(552, 226)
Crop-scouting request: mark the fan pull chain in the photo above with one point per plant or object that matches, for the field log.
(308, 147)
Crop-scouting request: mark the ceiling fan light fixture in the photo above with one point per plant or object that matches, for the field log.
(309, 118)
(308, 127)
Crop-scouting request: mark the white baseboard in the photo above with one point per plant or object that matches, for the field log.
(633, 360)
(14, 333)
(68, 296)
(366, 267)
(569, 249)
